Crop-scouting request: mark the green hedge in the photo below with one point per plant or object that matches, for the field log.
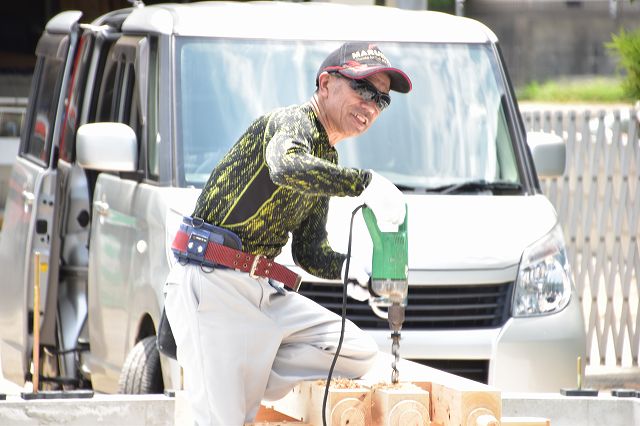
(626, 46)
(597, 89)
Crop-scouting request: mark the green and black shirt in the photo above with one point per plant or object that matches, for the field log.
(277, 179)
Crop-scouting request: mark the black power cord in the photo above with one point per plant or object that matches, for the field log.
(344, 317)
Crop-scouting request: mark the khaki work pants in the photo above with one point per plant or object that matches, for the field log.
(239, 340)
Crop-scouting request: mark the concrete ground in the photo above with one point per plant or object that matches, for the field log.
(603, 378)
(609, 378)
(159, 410)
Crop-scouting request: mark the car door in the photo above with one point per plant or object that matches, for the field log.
(115, 228)
(28, 222)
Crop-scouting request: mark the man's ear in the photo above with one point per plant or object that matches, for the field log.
(323, 84)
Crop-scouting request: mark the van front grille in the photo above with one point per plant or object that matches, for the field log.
(472, 369)
(430, 307)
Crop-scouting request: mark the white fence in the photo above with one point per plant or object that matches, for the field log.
(598, 202)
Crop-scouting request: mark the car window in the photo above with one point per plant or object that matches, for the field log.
(451, 128)
(107, 100)
(130, 101)
(119, 98)
(47, 82)
(153, 165)
(75, 98)
(11, 121)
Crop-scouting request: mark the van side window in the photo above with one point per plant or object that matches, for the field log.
(153, 167)
(109, 89)
(127, 95)
(11, 118)
(130, 104)
(118, 99)
(45, 93)
(100, 75)
(75, 98)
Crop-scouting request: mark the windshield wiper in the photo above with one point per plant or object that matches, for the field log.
(407, 188)
(476, 186)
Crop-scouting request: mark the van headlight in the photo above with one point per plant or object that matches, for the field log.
(544, 279)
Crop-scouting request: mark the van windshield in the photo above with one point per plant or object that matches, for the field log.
(450, 129)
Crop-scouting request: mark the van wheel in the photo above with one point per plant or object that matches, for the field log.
(141, 372)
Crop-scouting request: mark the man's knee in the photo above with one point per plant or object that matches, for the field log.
(366, 354)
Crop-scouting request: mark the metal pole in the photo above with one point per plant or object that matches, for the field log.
(36, 322)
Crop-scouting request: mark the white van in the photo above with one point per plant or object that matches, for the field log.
(491, 295)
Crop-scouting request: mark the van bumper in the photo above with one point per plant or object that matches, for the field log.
(535, 354)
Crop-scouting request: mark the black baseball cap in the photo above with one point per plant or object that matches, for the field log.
(358, 60)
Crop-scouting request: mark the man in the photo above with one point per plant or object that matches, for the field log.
(241, 337)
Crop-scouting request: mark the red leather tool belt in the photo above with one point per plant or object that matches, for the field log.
(255, 265)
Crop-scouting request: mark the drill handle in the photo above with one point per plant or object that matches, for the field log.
(373, 226)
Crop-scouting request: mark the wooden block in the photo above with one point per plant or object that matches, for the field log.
(454, 399)
(350, 406)
(525, 421)
(348, 403)
(457, 405)
(399, 405)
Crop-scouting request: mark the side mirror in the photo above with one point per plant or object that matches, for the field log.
(549, 153)
(107, 146)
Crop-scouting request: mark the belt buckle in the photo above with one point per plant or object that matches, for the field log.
(254, 266)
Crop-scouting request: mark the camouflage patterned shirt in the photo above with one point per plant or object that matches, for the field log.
(277, 179)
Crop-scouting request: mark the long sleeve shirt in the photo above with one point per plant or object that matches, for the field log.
(277, 179)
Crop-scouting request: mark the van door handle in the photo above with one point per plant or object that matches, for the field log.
(102, 207)
(28, 197)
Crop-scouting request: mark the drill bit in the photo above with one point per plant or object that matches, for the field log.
(395, 350)
(395, 318)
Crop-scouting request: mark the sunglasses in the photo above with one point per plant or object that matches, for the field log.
(368, 92)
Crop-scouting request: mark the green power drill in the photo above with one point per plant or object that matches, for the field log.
(389, 285)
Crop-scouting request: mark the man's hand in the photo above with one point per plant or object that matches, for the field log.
(359, 275)
(386, 201)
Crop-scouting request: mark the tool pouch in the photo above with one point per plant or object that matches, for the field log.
(200, 233)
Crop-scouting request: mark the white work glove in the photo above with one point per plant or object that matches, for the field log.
(360, 272)
(386, 201)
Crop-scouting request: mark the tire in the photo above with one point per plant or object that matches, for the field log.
(141, 373)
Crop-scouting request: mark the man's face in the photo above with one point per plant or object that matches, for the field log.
(348, 113)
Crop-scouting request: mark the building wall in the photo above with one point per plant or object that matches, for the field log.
(547, 39)
(540, 39)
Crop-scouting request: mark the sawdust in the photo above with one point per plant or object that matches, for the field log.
(341, 383)
(384, 385)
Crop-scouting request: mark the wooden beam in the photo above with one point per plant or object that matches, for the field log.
(404, 404)
(457, 405)
(348, 403)
(453, 398)
(454, 401)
